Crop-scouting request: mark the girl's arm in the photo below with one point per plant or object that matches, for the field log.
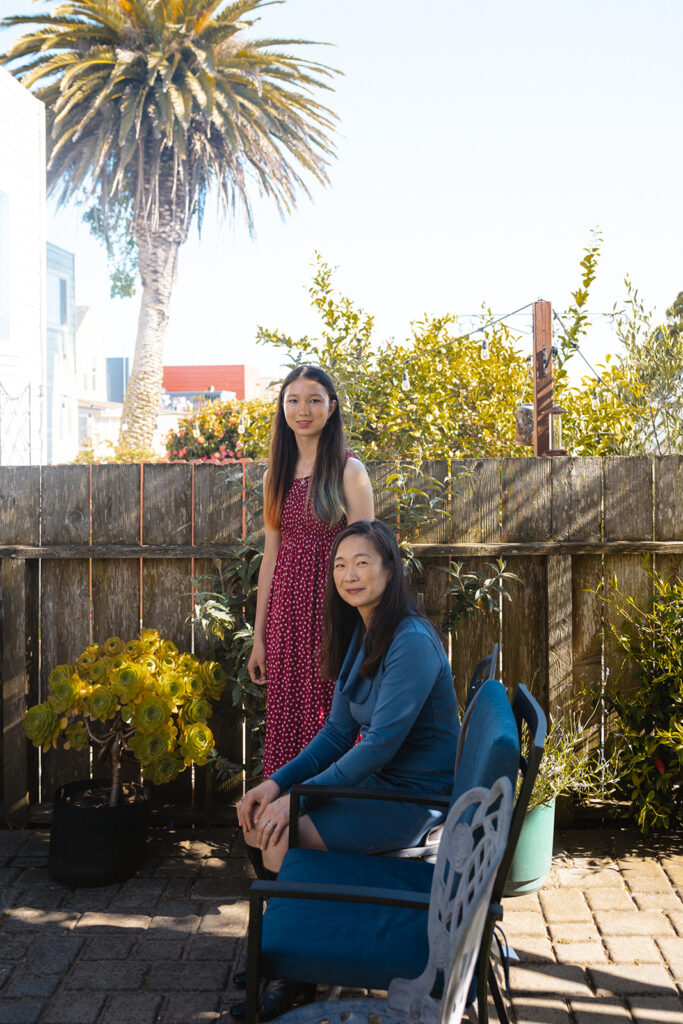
(257, 662)
(358, 496)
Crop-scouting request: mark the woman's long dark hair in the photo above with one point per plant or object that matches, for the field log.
(325, 487)
(341, 619)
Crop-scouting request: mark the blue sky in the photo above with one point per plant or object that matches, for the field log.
(479, 144)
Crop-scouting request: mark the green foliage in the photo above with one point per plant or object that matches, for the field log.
(112, 226)
(649, 717)
(472, 590)
(226, 614)
(573, 764)
(133, 697)
(212, 434)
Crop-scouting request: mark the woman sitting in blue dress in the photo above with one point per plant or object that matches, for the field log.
(393, 724)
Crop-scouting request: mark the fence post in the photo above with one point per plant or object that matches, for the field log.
(18, 641)
(542, 374)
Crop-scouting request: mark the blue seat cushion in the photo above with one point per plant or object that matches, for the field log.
(353, 944)
(491, 745)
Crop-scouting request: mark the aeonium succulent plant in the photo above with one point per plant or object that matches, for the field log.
(141, 696)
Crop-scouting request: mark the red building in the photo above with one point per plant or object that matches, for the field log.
(245, 382)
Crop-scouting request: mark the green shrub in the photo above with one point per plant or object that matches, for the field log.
(220, 431)
(648, 718)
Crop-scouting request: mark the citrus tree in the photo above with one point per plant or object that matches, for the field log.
(151, 105)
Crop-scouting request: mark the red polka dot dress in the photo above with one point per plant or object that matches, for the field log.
(299, 699)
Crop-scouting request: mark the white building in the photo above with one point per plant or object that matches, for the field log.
(99, 418)
(22, 275)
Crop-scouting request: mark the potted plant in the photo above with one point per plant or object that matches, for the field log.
(140, 698)
(572, 766)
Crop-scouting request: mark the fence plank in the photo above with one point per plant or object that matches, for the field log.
(628, 515)
(64, 601)
(526, 515)
(115, 520)
(253, 499)
(668, 487)
(19, 524)
(476, 519)
(585, 524)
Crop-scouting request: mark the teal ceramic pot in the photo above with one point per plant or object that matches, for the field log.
(534, 853)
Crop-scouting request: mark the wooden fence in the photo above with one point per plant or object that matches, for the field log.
(89, 552)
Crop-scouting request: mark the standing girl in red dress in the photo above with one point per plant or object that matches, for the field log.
(313, 487)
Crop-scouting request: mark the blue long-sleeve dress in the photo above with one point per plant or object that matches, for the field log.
(407, 718)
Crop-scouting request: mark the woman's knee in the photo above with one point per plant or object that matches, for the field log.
(274, 853)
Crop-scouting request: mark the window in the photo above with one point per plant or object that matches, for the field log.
(57, 300)
(4, 267)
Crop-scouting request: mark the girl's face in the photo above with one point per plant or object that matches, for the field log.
(359, 575)
(307, 407)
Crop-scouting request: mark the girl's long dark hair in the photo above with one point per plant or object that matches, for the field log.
(325, 487)
(341, 619)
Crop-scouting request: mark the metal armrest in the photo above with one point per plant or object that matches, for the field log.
(357, 793)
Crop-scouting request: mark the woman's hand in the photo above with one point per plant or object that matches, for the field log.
(249, 807)
(271, 821)
(256, 665)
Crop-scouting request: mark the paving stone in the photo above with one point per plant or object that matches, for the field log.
(632, 979)
(23, 918)
(107, 947)
(572, 931)
(550, 979)
(528, 901)
(675, 874)
(534, 949)
(13, 841)
(524, 923)
(36, 878)
(42, 899)
(20, 1011)
(600, 1011)
(609, 899)
(632, 922)
(14, 947)
(119, 976)
(52, 954)
(633, 949)
(33, 988)
(564, 905)
(191, 1008)
(180, 977)
(5, 972)
(175, 908)
(215, 888)
(228, 919)
(581, 878)
(580, 952)
(646, 882)
(672, 951)
(170, 868)
(178, 888)
(537, 1010)
(676, 918)
(171, 927)
(73, 1008)
(109, 921)
(137, 1007)
(168, 949)
(7, 877)
(656, 1010)
(208, 947)
(640, 865)
(83, 900)
(141, 889)
(666, 901)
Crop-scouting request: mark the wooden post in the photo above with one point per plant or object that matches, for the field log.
(543, 375)
(18, 639)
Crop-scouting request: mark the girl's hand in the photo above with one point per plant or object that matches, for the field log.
(256, 665)
(271, 821)
(252, 802)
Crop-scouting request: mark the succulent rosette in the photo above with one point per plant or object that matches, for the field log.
(151, 714)
(194, 686)
(196, 711)
(167, 662)
(132, 650)
(196, 743)
(101, 703)
(167, 649)
(164, 769)
(113, 645)
(59, 673)
(150, 640)
(115, 663)
(76, 736)
(150, 746)
(41, 725)
(215, 679)
(149, 663)
(187, 664)
(65, 694)
(129, 682)
(97, 673)
(171, 687)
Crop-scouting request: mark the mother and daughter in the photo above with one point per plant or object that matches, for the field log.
(360, 691)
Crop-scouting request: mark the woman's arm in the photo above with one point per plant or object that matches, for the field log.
(358, 496)
(257, 662)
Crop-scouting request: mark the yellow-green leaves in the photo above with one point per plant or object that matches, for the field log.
(41, 725)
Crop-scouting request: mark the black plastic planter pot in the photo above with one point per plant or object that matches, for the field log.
(97, 845)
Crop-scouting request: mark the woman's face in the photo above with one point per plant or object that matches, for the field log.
(359, 575)
(307, 407)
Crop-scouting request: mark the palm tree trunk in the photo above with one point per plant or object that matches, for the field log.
(158, 261)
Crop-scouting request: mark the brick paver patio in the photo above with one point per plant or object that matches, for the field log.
(601, 944)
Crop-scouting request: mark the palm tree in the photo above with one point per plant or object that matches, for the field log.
(151, 104)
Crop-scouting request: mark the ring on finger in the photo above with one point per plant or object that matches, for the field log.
(270, 824)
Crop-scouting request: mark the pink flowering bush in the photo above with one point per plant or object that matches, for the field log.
(221, 432)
